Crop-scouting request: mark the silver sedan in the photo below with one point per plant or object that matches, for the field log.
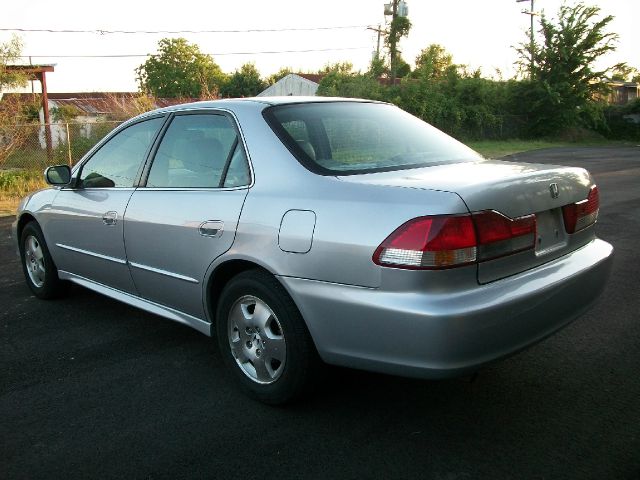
(304, 230)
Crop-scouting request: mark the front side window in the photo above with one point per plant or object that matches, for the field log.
(341, 138)
(117, 162)
(199, 151)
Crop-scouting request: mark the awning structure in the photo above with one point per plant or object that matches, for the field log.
(38, 72)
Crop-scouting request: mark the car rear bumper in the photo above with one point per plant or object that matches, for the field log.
(444, 334)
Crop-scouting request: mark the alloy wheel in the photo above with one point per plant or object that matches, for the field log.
(256, 339)
(34, 261)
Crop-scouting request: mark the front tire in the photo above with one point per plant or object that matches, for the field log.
(263, 338)
(39, 270)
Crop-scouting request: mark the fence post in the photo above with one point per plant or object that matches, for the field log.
(69, 144)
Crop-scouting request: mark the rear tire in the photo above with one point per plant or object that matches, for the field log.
(263, 338)
(39, 270)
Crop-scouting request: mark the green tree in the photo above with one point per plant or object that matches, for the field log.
(64, 113)
(279, 75)
(624, 73)
(345, 68)
(179, 69)
(339, 80)
(434, 62)
(565, 85)
(403, 69)
(12, 112)
(10, 52)
(245, 82)
(377, 67)
(398, 29)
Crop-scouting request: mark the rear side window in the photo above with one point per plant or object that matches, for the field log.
(117, 162)
(198, 151)
(349, 137)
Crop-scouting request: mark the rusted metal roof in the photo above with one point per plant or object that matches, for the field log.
(317, 78)
(95, 103)
(314, 77)
(31, 69)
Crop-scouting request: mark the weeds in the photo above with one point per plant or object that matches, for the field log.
(18, 183)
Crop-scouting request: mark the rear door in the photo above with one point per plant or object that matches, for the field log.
(187, 212)
(85, 224)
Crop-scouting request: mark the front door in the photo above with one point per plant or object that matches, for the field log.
(187, 213)
(85, 224)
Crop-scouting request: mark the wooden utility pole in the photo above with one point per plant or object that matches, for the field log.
(380, 32)
(532, 14)
(393, 42)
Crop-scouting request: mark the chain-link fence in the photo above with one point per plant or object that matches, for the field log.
(36, 146)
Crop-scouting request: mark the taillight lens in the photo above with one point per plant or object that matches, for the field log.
(499, 235)
(581, 214)
(438, 242)
(429, 242)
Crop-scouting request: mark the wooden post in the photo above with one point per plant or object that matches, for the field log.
(47, 119)
(393, 44)
(69, 145)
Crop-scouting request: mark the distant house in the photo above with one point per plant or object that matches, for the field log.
(294, 84)
(623, 92)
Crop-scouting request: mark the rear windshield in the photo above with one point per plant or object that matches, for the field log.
(343, 138)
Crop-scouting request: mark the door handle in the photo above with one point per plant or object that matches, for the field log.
(110, 218)
(211, 228)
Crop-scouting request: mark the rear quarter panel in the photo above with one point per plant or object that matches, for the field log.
(351, 219)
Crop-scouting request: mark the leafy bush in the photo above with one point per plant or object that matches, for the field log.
(620, 123)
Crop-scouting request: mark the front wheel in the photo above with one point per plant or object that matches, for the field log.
(263, 338)
(39, 270)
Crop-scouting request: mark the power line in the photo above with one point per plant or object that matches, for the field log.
(219, 54)
(173, 32)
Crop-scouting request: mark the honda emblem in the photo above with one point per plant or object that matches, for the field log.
(553, 188)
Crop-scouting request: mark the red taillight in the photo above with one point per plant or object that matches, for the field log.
(451, 241)
(581, 214)
(499, 235)
(429, 242)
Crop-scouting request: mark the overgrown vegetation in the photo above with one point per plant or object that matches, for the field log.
(18, 183)
(15, 184)
(9, 52)
(566, 89)
(619, 121)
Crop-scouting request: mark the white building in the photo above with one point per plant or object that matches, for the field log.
(291, 85)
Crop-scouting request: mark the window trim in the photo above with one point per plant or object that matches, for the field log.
(144, 177)
(77, 170)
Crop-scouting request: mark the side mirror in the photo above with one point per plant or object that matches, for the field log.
(58, 175)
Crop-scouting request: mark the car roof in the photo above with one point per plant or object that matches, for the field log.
(267, 101)
(259, 102)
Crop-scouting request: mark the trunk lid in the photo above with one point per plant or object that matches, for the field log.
(513, 189)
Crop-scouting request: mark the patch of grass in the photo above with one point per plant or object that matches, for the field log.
(15, 184)
(500, 148)
(18, 183)
(8, 206)
(29, 159)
